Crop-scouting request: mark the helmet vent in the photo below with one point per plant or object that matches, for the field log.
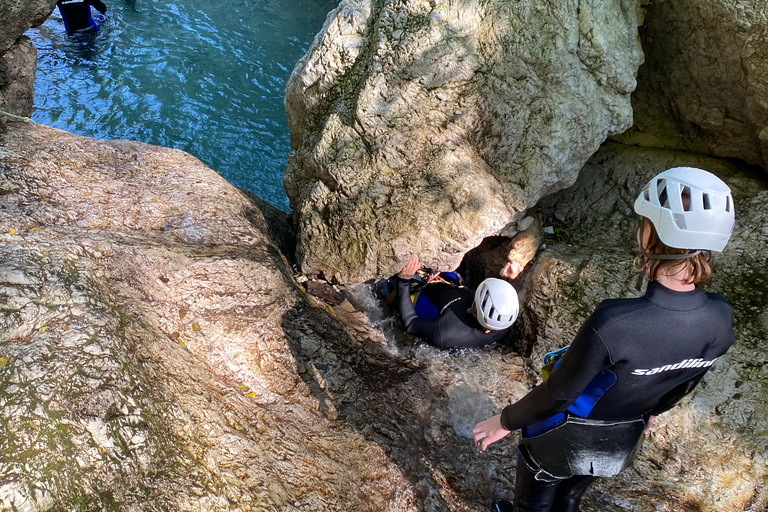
(728, 203)
(685, 197)
(647, 194)
(663, 196)
(705, 200)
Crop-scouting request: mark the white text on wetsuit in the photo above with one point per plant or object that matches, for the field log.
(686, 363)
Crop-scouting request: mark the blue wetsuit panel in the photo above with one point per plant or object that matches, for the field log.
(424, 307)
(581, 407)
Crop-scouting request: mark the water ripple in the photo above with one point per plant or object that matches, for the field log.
(204, 76)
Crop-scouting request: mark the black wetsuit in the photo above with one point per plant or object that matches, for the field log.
(632, 358)
(446, 323)
(77, 14)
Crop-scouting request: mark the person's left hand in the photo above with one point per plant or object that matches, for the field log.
(489, 431)
(511, 270)
(410, 268)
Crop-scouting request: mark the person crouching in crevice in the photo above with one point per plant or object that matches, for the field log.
(448, 315)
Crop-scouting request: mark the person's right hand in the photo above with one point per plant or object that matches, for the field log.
(409, 269)
(511, 270)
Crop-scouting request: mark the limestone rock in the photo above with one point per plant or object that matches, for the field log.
(420, 128)
(16, 16)
(17, 78)
(709, 453)
(704, 85)
(156, 354)
(17, 55)
(153, 344)
(487, 259)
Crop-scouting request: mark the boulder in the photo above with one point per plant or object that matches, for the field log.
(17, 78)
(157, 354)
(420, 128)
(16, 16)
(704, 85)
(153, 344)
(17, 55)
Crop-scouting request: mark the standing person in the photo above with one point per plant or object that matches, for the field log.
(450, 316)
(77, 15)
(633, 358)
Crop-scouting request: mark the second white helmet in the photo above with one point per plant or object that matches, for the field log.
(704, 221)
(496, 304)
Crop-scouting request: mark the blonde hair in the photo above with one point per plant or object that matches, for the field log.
(696, 268)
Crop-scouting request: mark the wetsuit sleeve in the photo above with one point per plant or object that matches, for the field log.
(427, 328)
(673, 397)
(98, 5)
(586, 357)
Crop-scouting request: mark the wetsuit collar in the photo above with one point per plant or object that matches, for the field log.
(672, 299)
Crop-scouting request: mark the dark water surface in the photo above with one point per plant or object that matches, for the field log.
(204, 76)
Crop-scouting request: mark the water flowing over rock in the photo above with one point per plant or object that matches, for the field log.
(421, 127)
(704, 85)
(17, 55)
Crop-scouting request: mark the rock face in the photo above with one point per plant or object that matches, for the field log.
(710, 452)
(16, 16)
(17, 55)
(156, 354)
(144, 343)
(420, 127)
(704, 85)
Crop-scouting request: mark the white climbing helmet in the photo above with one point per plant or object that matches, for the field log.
(705, 224)
(496, 304)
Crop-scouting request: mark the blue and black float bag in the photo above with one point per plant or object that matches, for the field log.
(568, 444)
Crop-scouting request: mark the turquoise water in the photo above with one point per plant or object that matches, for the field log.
(204, 76)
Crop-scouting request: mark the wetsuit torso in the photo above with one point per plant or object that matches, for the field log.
(452, 326)
(632, 358)
(77, 14)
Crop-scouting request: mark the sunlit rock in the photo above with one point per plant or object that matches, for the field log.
(422, 128)
(704, 85)
(152, 344)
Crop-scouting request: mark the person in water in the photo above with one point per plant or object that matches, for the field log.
(450, 316)
(633, 359)
(77, 15)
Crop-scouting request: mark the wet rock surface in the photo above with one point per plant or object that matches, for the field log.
(423, 127)
(704, 85)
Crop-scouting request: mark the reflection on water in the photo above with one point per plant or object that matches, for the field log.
(204, 76)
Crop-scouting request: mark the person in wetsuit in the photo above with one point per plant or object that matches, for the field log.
(77, 15)
(633, 358)
(450, 316)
